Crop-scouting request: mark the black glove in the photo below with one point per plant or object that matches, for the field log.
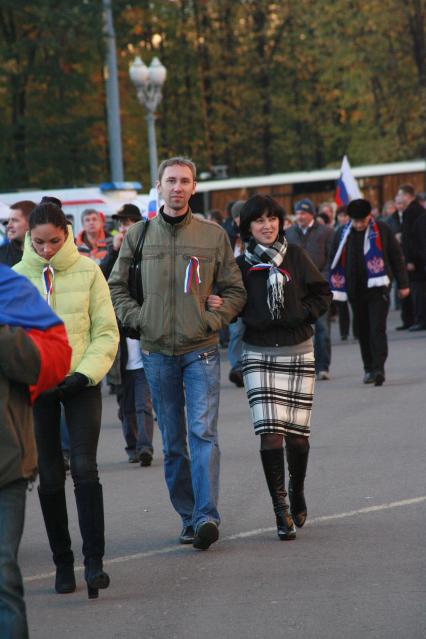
(71, 385)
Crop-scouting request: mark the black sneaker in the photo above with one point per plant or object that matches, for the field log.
(133, 456)
(368, 378)
(236, 377)
(207, 533)
(145, 458)
(379, 378)
(187, 535)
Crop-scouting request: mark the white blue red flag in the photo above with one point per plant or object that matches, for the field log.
(152, 204)
(347, 188)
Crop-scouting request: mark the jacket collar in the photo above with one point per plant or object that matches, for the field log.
(64, 258)
(186, 220)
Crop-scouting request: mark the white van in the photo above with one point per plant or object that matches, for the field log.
(74, 201)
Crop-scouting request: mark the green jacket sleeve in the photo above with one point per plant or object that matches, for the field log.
(126, 308)
(100, 354)
(229, 285)
(19, 356)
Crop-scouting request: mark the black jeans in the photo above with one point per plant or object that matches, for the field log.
(370, 308)
(83, 414)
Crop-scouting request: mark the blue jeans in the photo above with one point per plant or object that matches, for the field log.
(136, 400)
(322, 343)
(235, 346)
(193, 483)
(13, 618)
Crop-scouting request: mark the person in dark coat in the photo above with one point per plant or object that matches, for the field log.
(316, 239)
(410, 247)
(17, 226)
(365, 257)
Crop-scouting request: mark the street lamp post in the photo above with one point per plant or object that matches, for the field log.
(149, 82)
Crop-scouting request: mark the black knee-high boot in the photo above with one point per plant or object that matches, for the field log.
(297, 461)
(54, 509)
(90, 508)
(273, 466)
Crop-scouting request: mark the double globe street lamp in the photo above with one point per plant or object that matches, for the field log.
(149, 82)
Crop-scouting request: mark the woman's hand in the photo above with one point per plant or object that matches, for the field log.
(214, 302)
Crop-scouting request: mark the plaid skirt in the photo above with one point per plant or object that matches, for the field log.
(280, 391)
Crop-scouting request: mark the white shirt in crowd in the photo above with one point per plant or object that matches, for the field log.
(135, 356)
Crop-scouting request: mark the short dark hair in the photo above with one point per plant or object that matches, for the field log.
(87, 212)
(51, 199)
(408, 189)
(48, 213)
(254, 208)
(178, 160)
(25, 206)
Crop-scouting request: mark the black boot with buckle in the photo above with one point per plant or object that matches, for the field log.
(273, 466)
(54, 509)
(90, 508)
(297, 452)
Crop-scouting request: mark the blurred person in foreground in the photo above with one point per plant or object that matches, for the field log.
(365, 257)
(34, 356)
(77, 291)
(286, 294)
(17, 226)
(184, 260)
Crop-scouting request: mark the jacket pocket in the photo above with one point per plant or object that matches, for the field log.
(191, 323)
(151, 318)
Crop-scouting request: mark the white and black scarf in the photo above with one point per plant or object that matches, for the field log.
(270, 257)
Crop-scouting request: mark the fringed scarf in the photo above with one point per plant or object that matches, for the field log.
(270, 258)
(374, 262)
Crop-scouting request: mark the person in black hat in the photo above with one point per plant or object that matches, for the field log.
(128, 215)
(365, 257)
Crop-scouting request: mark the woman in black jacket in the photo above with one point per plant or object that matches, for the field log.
(285, 295)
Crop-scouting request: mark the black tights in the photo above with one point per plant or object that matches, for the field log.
(298, 443)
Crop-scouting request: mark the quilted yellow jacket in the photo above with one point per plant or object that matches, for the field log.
(82, 300)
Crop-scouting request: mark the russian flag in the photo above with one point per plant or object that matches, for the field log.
(152, 203)
(347, 188)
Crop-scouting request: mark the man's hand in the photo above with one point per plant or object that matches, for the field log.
(403, 292)
(410, 266)
(214, 302)
(117, 241)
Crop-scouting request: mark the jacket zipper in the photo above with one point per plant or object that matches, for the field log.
(173, 289)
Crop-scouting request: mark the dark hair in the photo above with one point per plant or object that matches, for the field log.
(408, 189)
(48, 213)
(88, 212)
(53, 200)
(25, 206)
(254, 208)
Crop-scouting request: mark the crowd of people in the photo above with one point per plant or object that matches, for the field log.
(151, 301)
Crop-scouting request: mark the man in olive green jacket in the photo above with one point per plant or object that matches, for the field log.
(186, 262)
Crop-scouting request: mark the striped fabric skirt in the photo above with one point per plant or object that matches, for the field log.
(280, 391)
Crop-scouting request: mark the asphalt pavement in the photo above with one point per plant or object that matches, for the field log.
(357, 569)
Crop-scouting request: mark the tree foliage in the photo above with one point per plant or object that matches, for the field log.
(257, 85)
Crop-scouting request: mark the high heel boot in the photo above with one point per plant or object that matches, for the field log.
(297, 462)
(273, 466)
(90, 508)
(54, 509)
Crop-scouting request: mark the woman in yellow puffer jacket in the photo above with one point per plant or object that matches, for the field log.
(76, 290)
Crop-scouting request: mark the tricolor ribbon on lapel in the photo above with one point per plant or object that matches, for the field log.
(192, 273)
(47, 278)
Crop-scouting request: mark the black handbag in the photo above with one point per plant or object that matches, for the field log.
(135, 275)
